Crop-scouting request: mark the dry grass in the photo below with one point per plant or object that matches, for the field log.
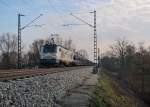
(108, 94)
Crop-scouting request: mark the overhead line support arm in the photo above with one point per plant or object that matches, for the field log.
(81, 20)
(31, 22)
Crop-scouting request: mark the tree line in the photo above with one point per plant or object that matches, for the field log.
(31, 57)
(131, 64)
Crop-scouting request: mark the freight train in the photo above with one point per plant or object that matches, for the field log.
(57, 55)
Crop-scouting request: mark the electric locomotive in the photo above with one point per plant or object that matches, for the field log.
(53, 54)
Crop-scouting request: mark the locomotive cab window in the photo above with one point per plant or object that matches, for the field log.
(49, 48)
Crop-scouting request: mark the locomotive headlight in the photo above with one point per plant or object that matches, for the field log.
(52, 56)
(49, 56)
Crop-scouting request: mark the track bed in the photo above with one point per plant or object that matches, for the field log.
(6, 75)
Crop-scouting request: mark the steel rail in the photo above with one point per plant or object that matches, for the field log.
(21, 74)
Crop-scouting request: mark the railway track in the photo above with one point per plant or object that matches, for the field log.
(21, 74)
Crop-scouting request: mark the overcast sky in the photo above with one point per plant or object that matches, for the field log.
(115, 19)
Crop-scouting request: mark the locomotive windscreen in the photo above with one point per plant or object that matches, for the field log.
(49, 48)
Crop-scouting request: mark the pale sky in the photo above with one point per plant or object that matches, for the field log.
(115, 19)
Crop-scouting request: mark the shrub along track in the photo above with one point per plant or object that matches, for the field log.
(111, 92)
(6, 75)
(121, 88)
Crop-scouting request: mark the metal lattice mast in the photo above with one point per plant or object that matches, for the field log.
(19, 41)
(95, 40)
(95, 33)
(19, 36)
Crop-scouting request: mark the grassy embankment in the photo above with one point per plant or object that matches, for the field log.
(108, 94)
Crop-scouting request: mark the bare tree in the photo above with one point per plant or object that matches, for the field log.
(83, 53)
(69, 45)
(34, 55)
(134, 67)
(8, 48)
(119, 50)
(8, 43)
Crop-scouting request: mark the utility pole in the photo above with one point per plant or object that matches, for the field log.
(19, 37)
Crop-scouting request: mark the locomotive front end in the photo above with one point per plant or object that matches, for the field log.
(49, 54)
